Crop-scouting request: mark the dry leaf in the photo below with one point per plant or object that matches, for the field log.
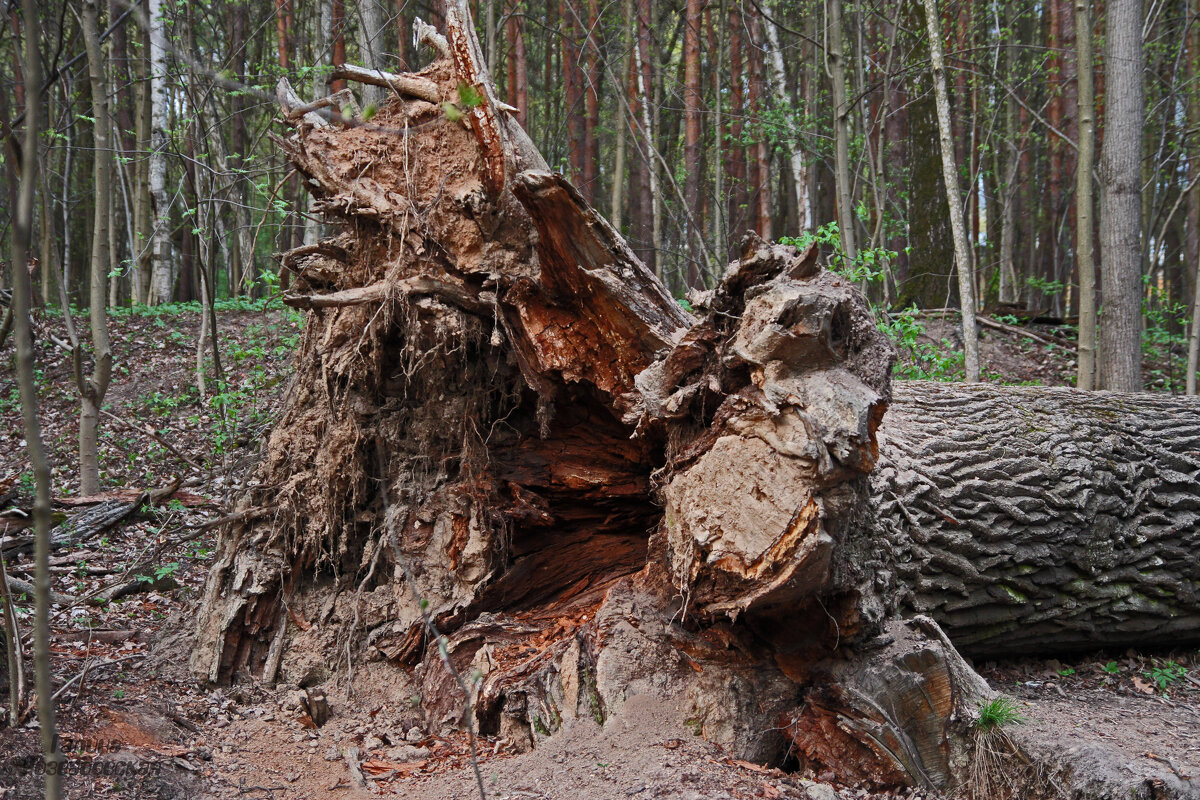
(1142, 686)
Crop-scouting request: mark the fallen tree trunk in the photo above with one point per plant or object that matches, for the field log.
(515, 470)
(1043, 520)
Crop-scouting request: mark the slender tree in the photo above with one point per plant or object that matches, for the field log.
(962, 258)
(692, 131)
(841, 130)
(93, 388)
(783, 100)
(21, 235)
(1086, 374)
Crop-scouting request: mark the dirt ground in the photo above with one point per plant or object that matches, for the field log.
(135, 724)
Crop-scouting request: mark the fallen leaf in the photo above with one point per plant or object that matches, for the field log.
(770, 791)
(1142, 686)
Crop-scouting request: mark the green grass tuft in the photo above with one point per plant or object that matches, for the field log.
(998, 713)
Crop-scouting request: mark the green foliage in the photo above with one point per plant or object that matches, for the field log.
(1165, 674)
(159, 572)
(469, 96)
(920, 359)
(867, 266)
(1112, 668)
(998, 713)
(1046, 287)
(1164, 339)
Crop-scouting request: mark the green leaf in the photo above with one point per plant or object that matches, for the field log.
(469, 96)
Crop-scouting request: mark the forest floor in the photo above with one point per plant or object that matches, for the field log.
(134, 723)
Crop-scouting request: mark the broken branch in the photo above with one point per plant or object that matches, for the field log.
(411, 85)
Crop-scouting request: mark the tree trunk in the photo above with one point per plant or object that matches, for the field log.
(162, 277)
(511, 454)
(93, 389)
(760, 183)
(804, 217)
(1043, 520)
(691, 136)
(1086, 368)
(1120, 367)
(841, 132)
(958, 230)
(21, 236)
(370, 46)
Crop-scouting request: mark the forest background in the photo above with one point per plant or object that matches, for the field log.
(687, 123)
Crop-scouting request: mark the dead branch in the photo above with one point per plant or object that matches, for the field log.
(411, 85)
(382, 291)
(18, 586)
(289, 100)
(78, 527)
(337, 99)
(424, 33)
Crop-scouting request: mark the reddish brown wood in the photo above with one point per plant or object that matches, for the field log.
(282, 18)
(760, 175)
(591, 95)
(736, 158)
(691, 126)
(518, 64)
(339, 42)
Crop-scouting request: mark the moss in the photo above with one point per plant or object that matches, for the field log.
(1014, 594)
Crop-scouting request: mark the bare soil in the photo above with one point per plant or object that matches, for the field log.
(134, 723)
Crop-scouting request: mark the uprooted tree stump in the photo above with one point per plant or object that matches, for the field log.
(509, 456)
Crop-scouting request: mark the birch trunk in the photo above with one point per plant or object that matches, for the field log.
(162, 275)
(795, 151)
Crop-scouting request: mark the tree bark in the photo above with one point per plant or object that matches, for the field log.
(370, 46)
(691, 136)
(1043, 520)
(1120, 367)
